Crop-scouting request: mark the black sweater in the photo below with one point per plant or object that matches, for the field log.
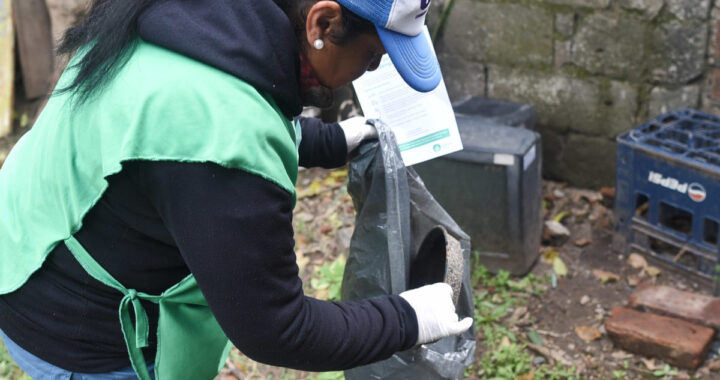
(160, 221)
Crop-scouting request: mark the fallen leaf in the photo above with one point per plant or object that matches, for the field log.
(605, 276)
(556, 229)
(588, 333)
(559, 267)
(559, 217)
(527, 376)
(549, 255)
(652, 271)
(582, 242)
(505, 341)
(649, 363)
(535, 337)
(637, 261)
(633, 280)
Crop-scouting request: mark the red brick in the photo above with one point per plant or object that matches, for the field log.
(677, 342)
(696, 308)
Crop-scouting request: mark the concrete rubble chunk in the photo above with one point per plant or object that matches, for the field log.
(692, 307)
(677, 342)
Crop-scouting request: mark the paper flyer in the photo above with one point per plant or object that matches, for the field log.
(424, 123)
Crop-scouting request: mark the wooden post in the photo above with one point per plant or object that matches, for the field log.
(7, 67)
(34, 45)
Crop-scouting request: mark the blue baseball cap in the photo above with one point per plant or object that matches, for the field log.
(400, 26)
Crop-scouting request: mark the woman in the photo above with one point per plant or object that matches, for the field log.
(158, 185)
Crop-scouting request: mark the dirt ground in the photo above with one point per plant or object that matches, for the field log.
(324, 222)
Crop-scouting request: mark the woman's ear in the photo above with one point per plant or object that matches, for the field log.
(324, 19)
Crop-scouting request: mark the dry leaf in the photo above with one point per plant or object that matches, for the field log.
(549, 255)
(605, 276)
(588, 333)
(527, 376)
(633, 280)
(637, 261)
(559, 267)
(505, 341)
(649, 363)
(582, 242)
(652, 271)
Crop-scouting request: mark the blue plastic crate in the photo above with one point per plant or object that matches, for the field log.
(667, 201)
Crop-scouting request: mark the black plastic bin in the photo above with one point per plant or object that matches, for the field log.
(493, 190)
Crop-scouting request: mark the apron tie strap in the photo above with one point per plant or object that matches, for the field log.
(142, 328)
(136, 336)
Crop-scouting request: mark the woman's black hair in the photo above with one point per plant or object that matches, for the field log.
(109, 31)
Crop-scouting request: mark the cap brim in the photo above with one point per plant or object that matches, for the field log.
(413, 58)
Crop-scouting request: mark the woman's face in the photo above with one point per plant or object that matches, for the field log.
(339, 64)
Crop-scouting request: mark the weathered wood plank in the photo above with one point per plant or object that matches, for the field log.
(34, 45)
(7, 66)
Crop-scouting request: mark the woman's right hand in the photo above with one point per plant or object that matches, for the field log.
(435, 312)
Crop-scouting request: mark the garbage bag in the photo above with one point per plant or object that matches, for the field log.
(394, 213)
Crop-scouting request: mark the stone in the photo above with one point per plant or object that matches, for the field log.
(651, 8)
(664, 100)
(585, 300)
(673, 340)
(499, 33)
(611, 46)
(462, 78)
(684, 9)
(678, 52)
(565, 24)
(563, 53)
(563, 102)
(556, 229)
(597, 4)
(665, 300)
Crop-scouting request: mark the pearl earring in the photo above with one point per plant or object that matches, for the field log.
(319, 44)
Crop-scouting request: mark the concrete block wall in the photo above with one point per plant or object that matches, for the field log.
(592, 68)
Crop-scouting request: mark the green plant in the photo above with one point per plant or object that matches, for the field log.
(505, 362)
(328, 376)
(557, 372)
(665, 371)
(329, 278)
(619, 374)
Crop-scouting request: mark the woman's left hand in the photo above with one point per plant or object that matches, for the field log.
(356, 131)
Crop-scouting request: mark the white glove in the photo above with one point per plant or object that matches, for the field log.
(356, 130)
(435, 312)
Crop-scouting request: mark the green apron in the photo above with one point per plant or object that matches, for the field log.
(185, 318)
(160, 106)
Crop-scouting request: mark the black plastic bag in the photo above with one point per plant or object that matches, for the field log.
(394, 213)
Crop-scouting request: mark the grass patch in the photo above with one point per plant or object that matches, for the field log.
(8, 369)
(506, 356)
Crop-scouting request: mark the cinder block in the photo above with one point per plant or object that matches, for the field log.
(696, 308)
(677, 342)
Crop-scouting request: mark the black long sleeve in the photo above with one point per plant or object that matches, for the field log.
(239, 245)
(322, 144)
(158, 222)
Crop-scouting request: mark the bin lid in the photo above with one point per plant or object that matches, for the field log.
(480, 135)
(498, 111)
